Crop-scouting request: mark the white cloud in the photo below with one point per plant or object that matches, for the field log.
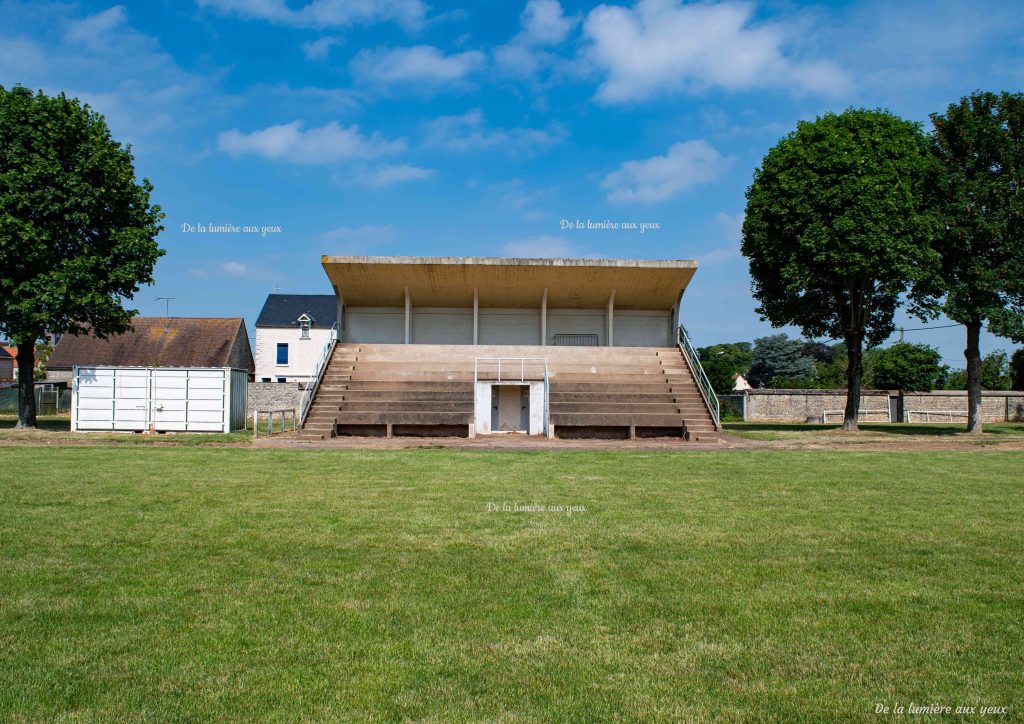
(324, 13)
(354, 240)
(687, 164)
(327, 144)
(419, 65)
(730, 228)
(359, 234)
(730, 225)
(95, 31)
(101, 59)
(388, 175)
(541, 246)
(468, 132)
(662, 46)
(319, 49)
(233, 268)
(544, 23)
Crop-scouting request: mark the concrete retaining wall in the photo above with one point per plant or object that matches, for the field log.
(273, 396)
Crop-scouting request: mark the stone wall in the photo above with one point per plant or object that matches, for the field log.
(995, 406)
(800, 405)
(273, 396)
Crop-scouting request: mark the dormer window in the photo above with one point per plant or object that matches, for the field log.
(304, 323)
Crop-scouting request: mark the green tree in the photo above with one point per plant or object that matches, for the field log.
(77, 231)
(836, 228)
(831, 374)
(1017, 370)
(722, 361)
(908, 367)
(979, 144)
(994, 373)
(778, 357)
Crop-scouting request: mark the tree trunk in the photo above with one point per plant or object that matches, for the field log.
(973, 355)
(26, 385)
(854, 370)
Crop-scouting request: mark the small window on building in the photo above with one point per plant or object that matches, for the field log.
(265, 379)
(304, 322)
(282, 379)
(282, 353)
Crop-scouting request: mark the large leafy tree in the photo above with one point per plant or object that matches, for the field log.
(908, 367)
(77, 231)
(837, 227)
(979, 144)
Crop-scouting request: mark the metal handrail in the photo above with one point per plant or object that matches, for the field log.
(703, 383)
(313, 383)
(539, 364)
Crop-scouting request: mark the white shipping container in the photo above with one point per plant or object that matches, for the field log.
(162, 399)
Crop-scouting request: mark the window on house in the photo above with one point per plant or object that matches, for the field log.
(265, 379)
(304, 326)
(282, 379)
(282, 353)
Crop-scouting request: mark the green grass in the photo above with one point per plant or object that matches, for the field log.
(799, 430)
(200, 583)
(57, 428)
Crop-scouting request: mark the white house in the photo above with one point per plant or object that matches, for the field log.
(290, 335)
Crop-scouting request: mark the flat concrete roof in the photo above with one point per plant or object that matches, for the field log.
(449, 281)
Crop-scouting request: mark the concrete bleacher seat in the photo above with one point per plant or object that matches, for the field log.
(428, 390)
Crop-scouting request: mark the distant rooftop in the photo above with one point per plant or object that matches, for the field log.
(283, 310)
(159, 342)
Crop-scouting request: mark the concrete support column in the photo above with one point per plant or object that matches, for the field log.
(476, 317)
(340, 312)
(610, 321)
(544, 319)
(408, 317)
(678, 319)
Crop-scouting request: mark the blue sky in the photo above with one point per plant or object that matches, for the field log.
(429, 128)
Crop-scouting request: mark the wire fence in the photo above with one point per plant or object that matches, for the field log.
(50, 400)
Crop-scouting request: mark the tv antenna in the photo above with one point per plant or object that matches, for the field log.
(275, 290)
(167, 301)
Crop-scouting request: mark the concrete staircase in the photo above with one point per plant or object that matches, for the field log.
(387, 389)
(384, 389)
(629, 392)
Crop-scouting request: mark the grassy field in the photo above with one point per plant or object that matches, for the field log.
(57, 428)
(778, 431)
(201, 583)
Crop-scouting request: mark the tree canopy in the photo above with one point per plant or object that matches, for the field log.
(908, 367)
(1017, 370)
(722, 361)
(837, 227)
(979, 146)
(778, 356)
(77, 231)
(994, 373)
